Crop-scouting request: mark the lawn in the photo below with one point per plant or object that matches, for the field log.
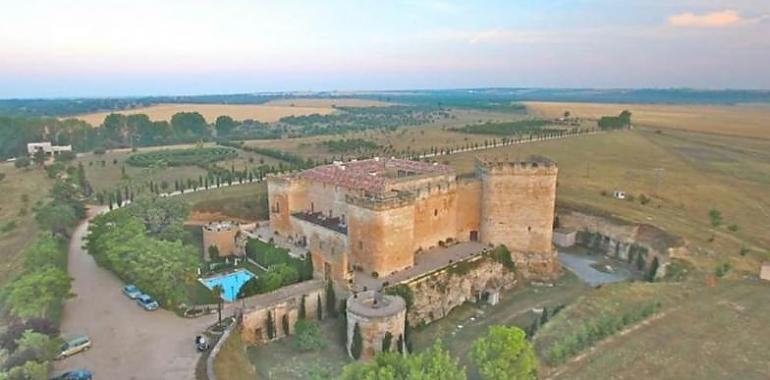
(17, 219)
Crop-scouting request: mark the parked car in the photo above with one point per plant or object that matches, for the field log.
(78, 374)
(73, 346)
(131, 291)
(147, 302)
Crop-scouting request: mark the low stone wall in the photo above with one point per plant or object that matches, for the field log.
(282, 303)
(435, 294)
(639, 244)
(210, 373)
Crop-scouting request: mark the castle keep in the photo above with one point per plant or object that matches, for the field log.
(377, 216)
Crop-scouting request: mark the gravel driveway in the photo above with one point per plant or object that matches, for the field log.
(128, 342)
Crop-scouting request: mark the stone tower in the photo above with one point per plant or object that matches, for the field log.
(376, 315)
(517, 209)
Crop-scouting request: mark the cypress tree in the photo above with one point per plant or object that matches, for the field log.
(357, 344)
(285, 324)
(331, 300)
(302, 311)
(270, 325)
(386, 341)
(319, 308)
(400, 344)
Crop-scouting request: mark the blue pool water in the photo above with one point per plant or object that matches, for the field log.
(231, 283)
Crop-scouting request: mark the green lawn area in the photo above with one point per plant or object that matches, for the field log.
(242, 202)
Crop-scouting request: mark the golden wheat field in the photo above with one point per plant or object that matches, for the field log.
(261, 112)
(747, 120)
(328, 102)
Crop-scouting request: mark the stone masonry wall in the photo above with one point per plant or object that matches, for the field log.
(436, 294)
(284, 301)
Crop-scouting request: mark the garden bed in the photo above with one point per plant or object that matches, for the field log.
(182, 157)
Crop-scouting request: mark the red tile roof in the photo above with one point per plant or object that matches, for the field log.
(370, 175)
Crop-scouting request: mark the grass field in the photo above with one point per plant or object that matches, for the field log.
(17, 218)
(260, 112)
(701, 172)
(238, 202)
(327, 102)
(713, 333)
(746, 120)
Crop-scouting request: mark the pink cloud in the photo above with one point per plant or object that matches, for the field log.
(718, 19)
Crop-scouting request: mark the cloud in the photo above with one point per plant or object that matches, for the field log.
(718, 19)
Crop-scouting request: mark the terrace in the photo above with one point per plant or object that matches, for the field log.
(318, 218)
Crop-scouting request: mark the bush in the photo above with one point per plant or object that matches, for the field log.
(307, 335)
(733, 227)
(643, 199)
(65, 156)
(715, 216)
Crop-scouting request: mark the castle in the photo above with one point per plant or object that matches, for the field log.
(377, 216)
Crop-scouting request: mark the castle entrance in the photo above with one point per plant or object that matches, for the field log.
(474, 235)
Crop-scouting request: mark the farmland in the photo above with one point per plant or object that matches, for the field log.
(745, 120)
(327, 102)
(259, 112)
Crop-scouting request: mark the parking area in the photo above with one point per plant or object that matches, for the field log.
(128, 342)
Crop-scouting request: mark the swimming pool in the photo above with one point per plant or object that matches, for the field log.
(231, 283)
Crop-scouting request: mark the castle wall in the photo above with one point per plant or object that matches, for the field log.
(325, 198)
(326, 246)
(517, 206)
(381, 240)
(284, 301)
(436, 294)
(285, 195)
(435, 214)
(468, 213)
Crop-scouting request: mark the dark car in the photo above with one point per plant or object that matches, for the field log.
(78, 374)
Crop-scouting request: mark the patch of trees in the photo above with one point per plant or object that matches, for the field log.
(504, 353)
(615, 122)
(518, 127)
(146, 249)
(181, 157)
(356, 145)
(592, 331)
(353, 119)
(432, 363)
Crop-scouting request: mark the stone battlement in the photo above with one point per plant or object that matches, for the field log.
(533, 165)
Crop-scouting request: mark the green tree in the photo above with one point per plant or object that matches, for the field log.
(302, 308)
(44, 252)
(30, 370)
(57, 218)
(307, 335)
(190, 123)
(44, 347)
(386, 341)
(213, 253)
(331, 300)
(285, 324)
(270, 325)
(218, 290)
(224, 125)
(21, 162)
(433, 363)
(715, 216)
(34, 293)
(505, 354)
(39, 157)
(357, 343)
(318, 308)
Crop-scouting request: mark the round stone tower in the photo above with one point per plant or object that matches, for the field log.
(376, 315)
(517, 206)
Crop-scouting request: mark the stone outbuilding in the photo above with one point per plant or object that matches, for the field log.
(225, 236)
(764, 273)
(376, 315)
(564, 238)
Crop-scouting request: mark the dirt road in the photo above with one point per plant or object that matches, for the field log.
(128, 342)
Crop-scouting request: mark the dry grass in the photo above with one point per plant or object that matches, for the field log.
(328, 103)
(701, 172)
(715, 333)
(232, 363)
(18, 182)
(747, 120)
(260, 112)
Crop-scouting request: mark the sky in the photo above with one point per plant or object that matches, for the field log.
(87, 48)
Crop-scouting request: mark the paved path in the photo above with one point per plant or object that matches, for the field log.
(128, 342)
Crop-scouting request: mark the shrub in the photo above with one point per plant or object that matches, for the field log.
(715, 216)
(744, 251)
(733, 227)
(356, 345)
(722, 269)
(307, 335)
(65, 156)
(643, 199)
(21, 162)
(404, 291)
